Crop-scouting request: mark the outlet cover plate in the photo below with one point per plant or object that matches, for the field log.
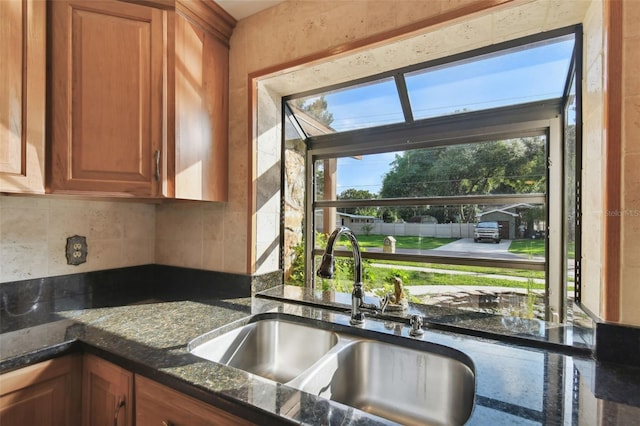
(76, 250)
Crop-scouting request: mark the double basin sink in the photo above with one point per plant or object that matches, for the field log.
(432, 385)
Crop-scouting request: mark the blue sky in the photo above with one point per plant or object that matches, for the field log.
(366, 173)
(497, 80)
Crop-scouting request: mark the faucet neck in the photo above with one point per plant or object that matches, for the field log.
(355, 249)
(326, 270)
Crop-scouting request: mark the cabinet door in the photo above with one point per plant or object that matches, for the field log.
(106, 393)
(107, 94)
(201, 113)
(159, 405)
(22, 95)
(44, 394)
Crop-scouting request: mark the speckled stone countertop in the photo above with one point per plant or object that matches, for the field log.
(576, 335)
(514, 384)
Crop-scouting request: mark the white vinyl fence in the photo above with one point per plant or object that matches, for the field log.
(441, 230)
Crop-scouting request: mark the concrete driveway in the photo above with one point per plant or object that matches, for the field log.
(467, 247)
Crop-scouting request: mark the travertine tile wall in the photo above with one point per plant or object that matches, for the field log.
(630, 285)
(34, 231)
(593, 152)
(201, 236)
(268, 178)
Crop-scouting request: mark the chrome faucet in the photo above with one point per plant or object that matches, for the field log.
(327, 270)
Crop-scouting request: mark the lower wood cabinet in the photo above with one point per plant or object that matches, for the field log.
(44, 394)
(87, 390)
(159, 405)
(107, 393)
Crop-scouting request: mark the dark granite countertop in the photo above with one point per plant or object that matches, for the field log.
(575, 336)
(514, 384)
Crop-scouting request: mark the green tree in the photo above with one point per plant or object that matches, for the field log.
(358, 194)
(497, 167)
(390, 214)
(316, 107)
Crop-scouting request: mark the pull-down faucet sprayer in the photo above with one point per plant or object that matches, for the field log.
(327, 269)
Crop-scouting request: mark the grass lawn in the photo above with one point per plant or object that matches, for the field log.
(410, 278)
(378, 278)
(447, 279)
(527, 247)
(478, 269)
(535, 248)
(404, 242)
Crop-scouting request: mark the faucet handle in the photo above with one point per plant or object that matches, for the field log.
(416, 326)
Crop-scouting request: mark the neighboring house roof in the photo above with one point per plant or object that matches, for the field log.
(352, 216)
(497, 211)
(517, 205)
(505, 209)
(355, 216)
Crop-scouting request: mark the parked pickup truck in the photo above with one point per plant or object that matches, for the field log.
(487, 231)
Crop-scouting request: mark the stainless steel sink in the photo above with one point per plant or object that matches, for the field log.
(275, 349)
(432, 385)
(404, 385)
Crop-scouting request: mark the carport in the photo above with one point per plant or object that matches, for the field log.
(506, 219)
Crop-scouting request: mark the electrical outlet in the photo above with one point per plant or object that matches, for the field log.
(76, 250)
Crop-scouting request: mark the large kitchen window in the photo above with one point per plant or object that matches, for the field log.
(422, 161)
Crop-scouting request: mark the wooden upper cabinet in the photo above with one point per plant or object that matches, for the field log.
(106, 92)
(139, 99)
(22, 95)
(201, 112)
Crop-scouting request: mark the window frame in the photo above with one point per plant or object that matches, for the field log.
(478, 134)
(534, 118)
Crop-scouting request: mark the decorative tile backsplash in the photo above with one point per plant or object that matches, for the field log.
(34, 232)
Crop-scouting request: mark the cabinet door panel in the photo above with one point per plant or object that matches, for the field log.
(107, 393)
(11, 36)
(202, 105)
(110, 132)
(46, 394)
(39, 405)
(107, 103)
(22, 95)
